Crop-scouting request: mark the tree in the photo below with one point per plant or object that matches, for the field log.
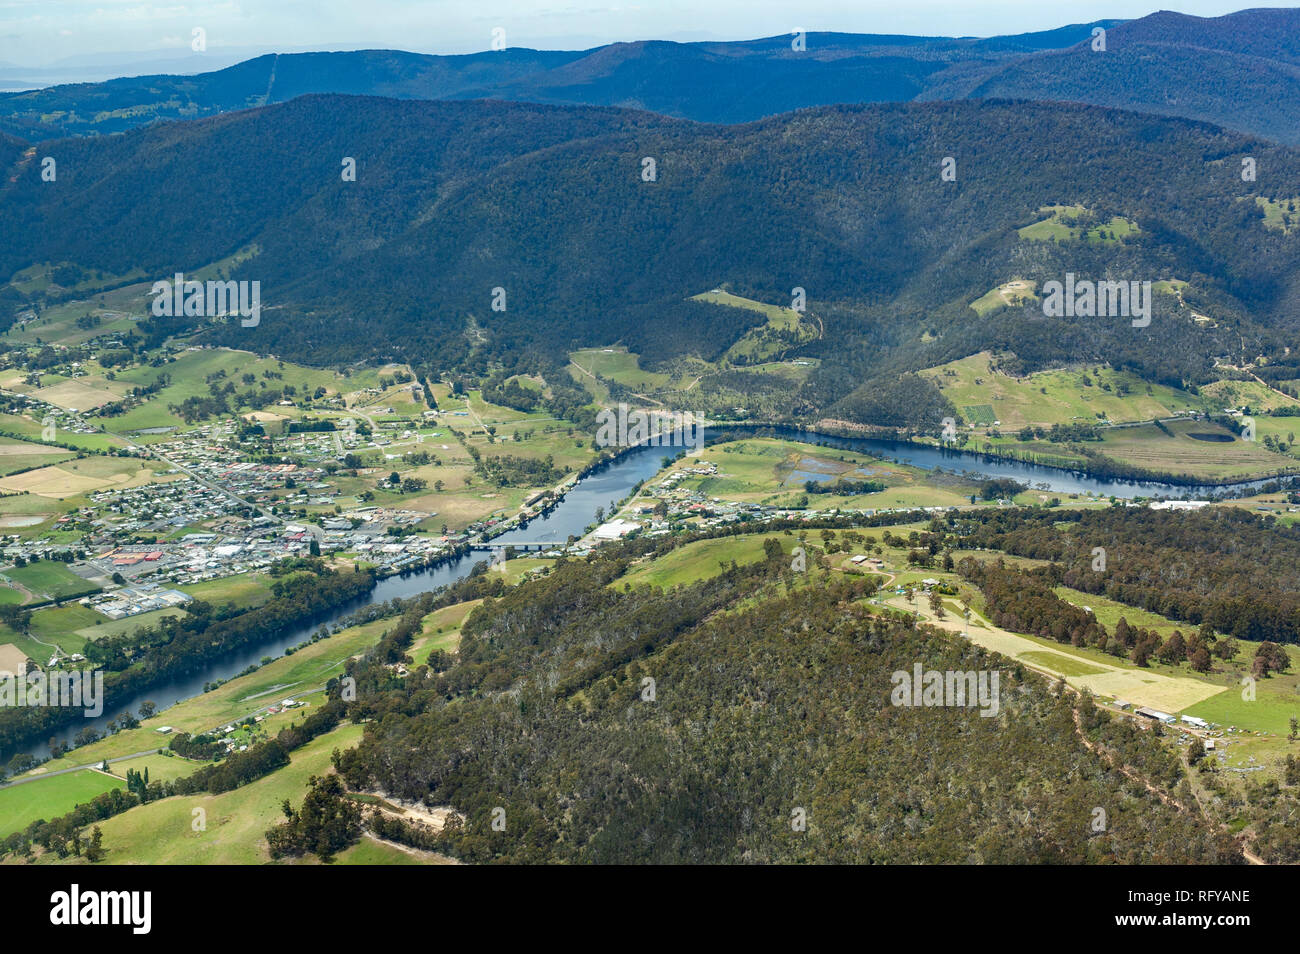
(1174, 650)
(1200, 660)
(95, 850)
(1274, 655)
(147, 710)
(327, 822)
(936, 604)
(1141, 654)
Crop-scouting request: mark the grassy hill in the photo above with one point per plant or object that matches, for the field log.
(1087, 394)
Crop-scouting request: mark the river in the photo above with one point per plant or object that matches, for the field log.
(577, 511)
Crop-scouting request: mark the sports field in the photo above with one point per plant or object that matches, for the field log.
(49, 579)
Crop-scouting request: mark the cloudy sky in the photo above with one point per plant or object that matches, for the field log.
(44, 33)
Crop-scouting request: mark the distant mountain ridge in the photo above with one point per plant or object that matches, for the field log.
(1241, 71)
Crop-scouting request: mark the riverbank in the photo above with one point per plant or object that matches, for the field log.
(935, 455)
(605, 483)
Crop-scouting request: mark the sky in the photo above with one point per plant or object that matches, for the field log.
(56, 33)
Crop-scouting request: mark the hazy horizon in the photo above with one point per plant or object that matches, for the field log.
(96, 37)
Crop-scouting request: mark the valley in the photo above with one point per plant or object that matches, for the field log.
(834, 448)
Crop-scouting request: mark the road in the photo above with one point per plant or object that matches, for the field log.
(1132, 774)
(314, 530)
(76, 768)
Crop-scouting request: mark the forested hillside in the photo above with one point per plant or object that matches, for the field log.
(454, 200)
(1235, 572)
(767, 706)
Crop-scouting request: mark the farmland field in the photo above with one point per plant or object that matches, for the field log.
(784, 328)
(617, 364)
(1062, 225)
(1191, 447)
(162, 832)
(1280, 214)
(1255, 395)
(774, 471)
(80, 396)
(20, 805)
(163, 767)
(1083, 395)
(31, 429)
(188, 373)
(697, 561)
(20, 455)
(1014, 292)
(81, 476)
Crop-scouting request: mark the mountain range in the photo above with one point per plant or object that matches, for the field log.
(1241, 71)
(482, 231)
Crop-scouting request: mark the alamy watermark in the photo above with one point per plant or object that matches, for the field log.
(1088, 299)
(965, 689)
(74, 907)
(215, 299)
(625, 428)
(72, 690)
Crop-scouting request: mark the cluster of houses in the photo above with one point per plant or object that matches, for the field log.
(154, 508)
